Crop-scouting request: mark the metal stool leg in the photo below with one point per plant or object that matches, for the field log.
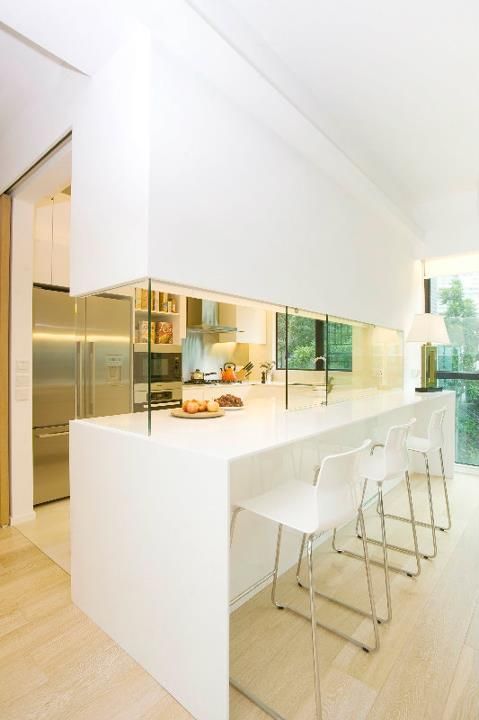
(364, 613)
(367, 566)
(431, 508)
(413, 525)
(387, 581)
(312, 617)
(276, 567)
(446, 497)
(363, 495)
(398, 548)
(446, 494)
(385, 564)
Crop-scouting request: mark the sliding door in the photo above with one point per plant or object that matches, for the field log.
(456, 297)
(5, 220)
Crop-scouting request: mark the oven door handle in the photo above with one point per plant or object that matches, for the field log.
(162, 404)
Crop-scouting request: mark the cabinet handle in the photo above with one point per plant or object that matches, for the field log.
(43, 436)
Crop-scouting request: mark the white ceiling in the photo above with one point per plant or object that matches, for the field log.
(395, 84)
(27, 73)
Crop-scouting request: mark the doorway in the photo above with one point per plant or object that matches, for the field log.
(48, 178)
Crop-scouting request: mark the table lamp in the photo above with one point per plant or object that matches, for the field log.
(428, 329)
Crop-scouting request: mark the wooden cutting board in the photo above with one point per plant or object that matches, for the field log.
(180, 413)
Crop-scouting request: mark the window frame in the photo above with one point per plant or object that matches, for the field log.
(321, 349)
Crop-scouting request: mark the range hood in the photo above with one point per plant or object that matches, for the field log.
(203, 317)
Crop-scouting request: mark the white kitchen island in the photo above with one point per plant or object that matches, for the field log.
(150, 521)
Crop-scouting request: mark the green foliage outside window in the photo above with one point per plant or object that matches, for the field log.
(340, 346)
(462, 356)
(301, 342)
(305, 344)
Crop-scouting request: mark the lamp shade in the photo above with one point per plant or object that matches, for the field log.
(429, 328)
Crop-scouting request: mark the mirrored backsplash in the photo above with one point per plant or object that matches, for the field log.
(184, 343)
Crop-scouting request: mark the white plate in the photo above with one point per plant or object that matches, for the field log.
(241, 407)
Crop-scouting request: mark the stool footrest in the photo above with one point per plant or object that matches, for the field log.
(349, 638)
(378, 563)
(418, 522)
(256, 700)
(353, 608)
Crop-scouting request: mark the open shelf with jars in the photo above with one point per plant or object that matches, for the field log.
(165, 320)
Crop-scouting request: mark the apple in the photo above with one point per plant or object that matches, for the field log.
(191, 407)
(213, 406)
(202, 405)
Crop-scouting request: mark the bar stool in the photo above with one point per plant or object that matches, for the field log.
(432, 443)
(331, 501)
(390, 462)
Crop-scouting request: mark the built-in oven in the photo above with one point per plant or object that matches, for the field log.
(162, 396)
(165, 379)
(165, 366)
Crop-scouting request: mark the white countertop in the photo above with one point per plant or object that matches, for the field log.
(262, 424)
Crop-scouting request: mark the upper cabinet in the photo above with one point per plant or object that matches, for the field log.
(250, 323)
(51, 241)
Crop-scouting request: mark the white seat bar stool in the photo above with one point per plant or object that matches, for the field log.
(390, 463)
(312, 509)
(425, 446)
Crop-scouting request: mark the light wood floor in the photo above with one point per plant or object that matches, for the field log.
(50, 531)
(57, 665)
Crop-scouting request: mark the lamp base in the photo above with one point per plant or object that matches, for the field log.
(428, 389)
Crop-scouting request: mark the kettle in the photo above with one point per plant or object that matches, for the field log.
(228, 372)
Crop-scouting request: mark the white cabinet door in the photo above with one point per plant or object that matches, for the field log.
(42, 244)
(250, 322)
(61, 241)
(51, 242)
(253, 324)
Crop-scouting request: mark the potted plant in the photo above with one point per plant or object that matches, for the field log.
(267, 371)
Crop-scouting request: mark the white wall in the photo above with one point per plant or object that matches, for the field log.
(451, 221)
(40, 126)
(237, 209)
(243, 195)
(21, 457)
(111, 156)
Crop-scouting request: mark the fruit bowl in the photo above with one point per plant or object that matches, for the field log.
(180, 413)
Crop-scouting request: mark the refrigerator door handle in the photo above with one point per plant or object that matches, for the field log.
(78, 379)
(43, 436)
(91, 379)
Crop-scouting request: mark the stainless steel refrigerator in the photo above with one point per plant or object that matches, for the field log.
(82, 351)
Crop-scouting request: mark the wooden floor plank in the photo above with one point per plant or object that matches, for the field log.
(55, 664)
(417, 687)
(463, 700)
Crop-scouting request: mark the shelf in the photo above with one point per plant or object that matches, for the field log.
(156, 313)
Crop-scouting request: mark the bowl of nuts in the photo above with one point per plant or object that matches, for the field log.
(230, 402)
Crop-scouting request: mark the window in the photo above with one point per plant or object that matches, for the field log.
(456, 297)
(307, 344)
(340, 346)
